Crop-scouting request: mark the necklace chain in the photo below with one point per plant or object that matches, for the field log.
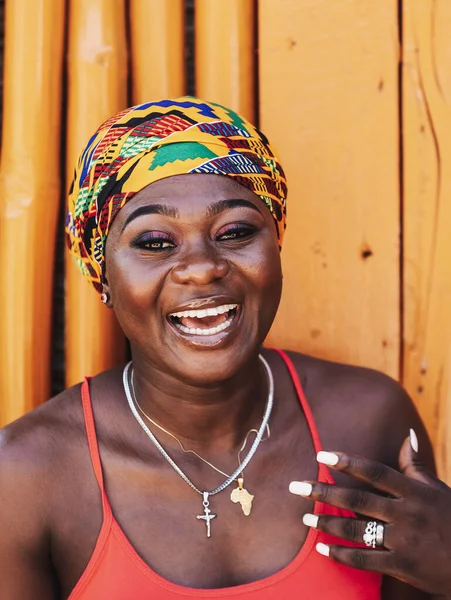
(173, 464)
(243, 446)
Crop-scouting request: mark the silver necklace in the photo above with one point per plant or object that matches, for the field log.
(240, 494)
(207, 516)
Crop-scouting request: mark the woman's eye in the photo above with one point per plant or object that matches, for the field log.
(153, 243)
(236, 232)
(157, 245)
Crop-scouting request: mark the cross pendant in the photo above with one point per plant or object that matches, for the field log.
(207, 516)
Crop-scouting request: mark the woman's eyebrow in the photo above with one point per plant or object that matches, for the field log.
(217, 207)
(214, 209)
(151, 209)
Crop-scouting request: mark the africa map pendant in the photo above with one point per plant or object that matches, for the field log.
(243, 497)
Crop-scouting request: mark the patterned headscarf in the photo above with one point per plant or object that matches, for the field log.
(155, 140)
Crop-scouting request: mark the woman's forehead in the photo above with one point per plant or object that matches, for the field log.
(185, 190)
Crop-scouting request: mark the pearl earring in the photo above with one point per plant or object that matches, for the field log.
(104, 297)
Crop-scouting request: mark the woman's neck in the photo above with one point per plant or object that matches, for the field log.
(213, 418)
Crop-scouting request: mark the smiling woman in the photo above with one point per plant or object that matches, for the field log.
(196, 257)
(132, 484)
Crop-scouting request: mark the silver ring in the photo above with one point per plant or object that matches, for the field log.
(380, 530)
(374, 535)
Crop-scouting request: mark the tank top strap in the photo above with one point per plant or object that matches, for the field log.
(324, 474)
(92, 442)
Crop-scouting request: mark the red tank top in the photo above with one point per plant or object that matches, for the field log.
(116, 572)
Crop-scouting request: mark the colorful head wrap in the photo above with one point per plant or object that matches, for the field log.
(155, 140)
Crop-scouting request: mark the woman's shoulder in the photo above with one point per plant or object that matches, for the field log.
(41, 431)
(359, 410)
(334, 382)
(349, 378)
(33, 441)
(33, 456)
(45, 452)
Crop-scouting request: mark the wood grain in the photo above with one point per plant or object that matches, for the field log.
(157, 49)
(225, 53)
(329, 102)
(426, 81)
(29, 199)
(97, 89)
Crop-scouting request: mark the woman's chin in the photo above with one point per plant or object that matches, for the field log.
(211, 358)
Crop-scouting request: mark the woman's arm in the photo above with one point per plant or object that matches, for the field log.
(25, 565)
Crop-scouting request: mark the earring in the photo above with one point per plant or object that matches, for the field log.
(104, 297)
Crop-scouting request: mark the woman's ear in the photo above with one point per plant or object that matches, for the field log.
(105, 296)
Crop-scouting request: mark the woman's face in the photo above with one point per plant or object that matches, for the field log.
(194, 274)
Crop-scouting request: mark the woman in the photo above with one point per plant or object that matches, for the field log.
(170, 477)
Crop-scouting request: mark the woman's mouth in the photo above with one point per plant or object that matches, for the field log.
(204, 322)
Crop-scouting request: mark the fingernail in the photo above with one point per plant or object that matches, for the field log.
(323, 549)
(310, 520)
(327, 458)
(301, 488)
(414, 440)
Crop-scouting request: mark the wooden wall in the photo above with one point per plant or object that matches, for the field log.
(426, 203)
(29, 198)
(329, 99)
(356, 95)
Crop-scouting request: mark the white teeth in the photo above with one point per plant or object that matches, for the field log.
(206, 312)
(211, 331)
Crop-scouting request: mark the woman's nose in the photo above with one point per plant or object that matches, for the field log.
(200, 268)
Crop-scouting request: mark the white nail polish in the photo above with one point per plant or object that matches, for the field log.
(300, 488)
(414, 440)
(327, 458)
(323, 549)
(310, 520)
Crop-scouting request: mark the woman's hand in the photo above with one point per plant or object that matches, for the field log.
(415, 511)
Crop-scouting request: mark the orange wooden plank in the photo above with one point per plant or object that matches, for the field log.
(29, 199)
(157, 48)
(427, 216)
(329, 102)
(225, 53)
(97, 70)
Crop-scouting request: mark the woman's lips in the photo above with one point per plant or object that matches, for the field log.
(205, 323)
